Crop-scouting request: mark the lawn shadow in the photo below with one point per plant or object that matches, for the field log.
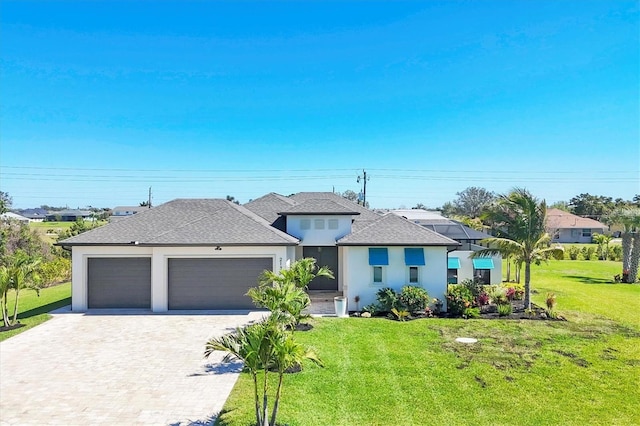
(45, 308)
(589, 280)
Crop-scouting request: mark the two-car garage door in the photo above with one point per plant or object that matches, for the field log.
(194, 283)
(205, 283)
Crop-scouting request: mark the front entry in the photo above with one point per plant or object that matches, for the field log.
(325, 256)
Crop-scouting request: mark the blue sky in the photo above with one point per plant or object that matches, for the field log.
(100, 100)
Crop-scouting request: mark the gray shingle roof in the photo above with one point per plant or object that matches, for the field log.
(269, 205)
(365, 213)
(393, 230)
(187, 222)
(314, 206)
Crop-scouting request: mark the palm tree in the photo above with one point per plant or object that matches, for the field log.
(629, 219)
(262, 347)
(19, 274)
(520, 218)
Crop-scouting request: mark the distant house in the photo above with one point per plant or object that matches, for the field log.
(34, 215)
(68, 215)
(459, 265)
(565, 227)
(13, 216)
(127, 210)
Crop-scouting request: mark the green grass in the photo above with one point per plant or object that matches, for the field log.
(379, 372)
(33, 310)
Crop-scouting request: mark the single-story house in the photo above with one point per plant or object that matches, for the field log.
(460, 266)
(206, 253)
(128, 210)
(68, 215)
(565, 227)
(34, 215)
(13, 216)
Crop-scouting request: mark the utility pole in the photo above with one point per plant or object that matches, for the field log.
(149, 202)
(364, 178)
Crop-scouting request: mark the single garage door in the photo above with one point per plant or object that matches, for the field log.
(214, 283)
(119, 282)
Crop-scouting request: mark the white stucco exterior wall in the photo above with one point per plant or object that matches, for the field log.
(318, 237)
(358, 274)
(466, 270)
(159, 265)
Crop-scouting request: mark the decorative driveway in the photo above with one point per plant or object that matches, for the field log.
(120, 368)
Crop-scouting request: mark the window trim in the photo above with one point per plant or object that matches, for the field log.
(318, 224)
(333, 224)
(305, 224)
(382, 275)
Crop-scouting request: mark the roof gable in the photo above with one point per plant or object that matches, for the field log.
(391, 230)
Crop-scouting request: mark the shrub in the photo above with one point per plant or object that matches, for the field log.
(371, 309)
(458, 299)
(588, 252)
(573, 252)
(470, 313)
(514, 291)
(558, 254)
(505, 310)
(482, 299)
(615, 252)
(387, 299)
(415, 299)
(551, 301)
(400, 315)
(474, 286)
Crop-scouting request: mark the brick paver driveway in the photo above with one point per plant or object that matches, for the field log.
(116, 369)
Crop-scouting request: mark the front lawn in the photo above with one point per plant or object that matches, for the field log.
(33, 310)
(380, 372)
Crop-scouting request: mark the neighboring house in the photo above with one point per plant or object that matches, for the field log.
(127, 210)
(460, 265)
(206, 254)
(34, 215)
(565, 227)
(13, 216)
(68, 215)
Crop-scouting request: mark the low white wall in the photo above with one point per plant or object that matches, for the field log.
(159, 266)
(358, 274)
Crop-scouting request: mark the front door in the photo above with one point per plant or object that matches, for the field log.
(325, 256)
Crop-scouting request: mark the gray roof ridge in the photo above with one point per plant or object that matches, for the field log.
(257, 218)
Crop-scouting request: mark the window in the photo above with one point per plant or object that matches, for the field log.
(333, 223)
(452, 276)
(305, 224)
(575, 233)
(413, 274)
(586, 233)
(318, 224)
(377, 274)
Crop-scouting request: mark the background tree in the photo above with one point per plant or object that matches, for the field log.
(350, 195)
(519, 218)
(472, 201)
(144, 204)
(232, 199)
(592, 206)
(420, 206)
(560, 205)
(5, 202)
(448, 209)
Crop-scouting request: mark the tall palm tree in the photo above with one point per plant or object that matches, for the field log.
(629, 219)
(520, 220)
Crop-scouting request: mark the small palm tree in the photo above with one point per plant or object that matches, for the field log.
(19, 274)
(520, 218)
(262, 347)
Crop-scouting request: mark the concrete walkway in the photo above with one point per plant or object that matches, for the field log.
(115, 367)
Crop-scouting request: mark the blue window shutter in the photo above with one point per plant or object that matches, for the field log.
(378, 256)
(483, 263)
(453, 263)
(414, 256)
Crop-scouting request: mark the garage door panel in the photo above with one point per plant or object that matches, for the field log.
(119, 282)
(201, 283)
